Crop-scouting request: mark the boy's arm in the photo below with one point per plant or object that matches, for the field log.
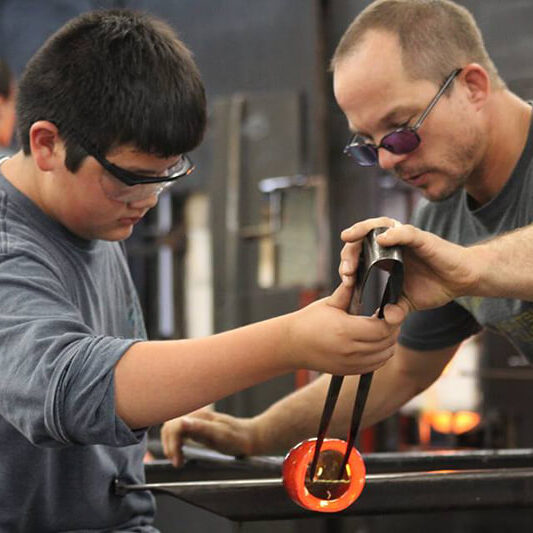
(159, 380)
(296, 417)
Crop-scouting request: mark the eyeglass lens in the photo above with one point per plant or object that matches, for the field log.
(120, 192)
(401, 141)
(397, 142)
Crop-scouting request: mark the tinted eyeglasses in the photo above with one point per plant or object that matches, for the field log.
(400, 141)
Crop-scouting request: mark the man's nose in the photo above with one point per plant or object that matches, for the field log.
(387, 160)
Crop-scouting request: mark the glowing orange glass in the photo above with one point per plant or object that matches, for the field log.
(325, 493)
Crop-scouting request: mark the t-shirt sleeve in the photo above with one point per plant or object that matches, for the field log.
(438, 328)
(56, 374)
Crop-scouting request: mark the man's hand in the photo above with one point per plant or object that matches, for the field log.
(218, 431)
(436, 271)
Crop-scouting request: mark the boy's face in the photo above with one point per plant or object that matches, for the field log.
(82, 203)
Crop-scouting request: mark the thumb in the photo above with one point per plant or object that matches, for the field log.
(341, 297)
(396, 313)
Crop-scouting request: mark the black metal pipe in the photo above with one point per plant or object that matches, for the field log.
(204, 464)
(265, 499)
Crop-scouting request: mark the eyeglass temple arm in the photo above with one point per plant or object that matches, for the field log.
(436, 98)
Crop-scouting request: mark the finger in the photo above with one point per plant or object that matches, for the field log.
(359, 230)
(165, 439)
(205, 413)
(163, 436)
(379, 357)
(405, 235)
(372, 362)
(341, 297)
(172, 442)
(177, 452)
(367, 350)
(349, 259)
(350, 256)
(367, 329)
(218, 436)
(172, 432)
(202, 431)
(395, 314)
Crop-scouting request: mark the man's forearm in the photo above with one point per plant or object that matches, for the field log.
(505, 264)
(296, 417)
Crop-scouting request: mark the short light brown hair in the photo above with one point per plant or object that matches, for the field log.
(436, 37)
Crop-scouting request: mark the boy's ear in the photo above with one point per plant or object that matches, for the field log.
(46, 146)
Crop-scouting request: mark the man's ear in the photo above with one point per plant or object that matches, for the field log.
(46, 146)
(477, 82)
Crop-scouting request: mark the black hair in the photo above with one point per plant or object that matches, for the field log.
(114, 77)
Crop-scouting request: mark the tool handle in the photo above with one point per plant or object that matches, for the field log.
(331, 399)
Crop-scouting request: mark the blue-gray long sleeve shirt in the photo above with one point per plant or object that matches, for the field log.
(68, 312)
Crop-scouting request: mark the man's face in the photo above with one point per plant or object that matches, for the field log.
(376, 95)
(81, 203)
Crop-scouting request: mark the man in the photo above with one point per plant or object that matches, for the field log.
(425, 102)
(107, 110)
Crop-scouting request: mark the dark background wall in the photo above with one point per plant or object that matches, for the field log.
(253, 45)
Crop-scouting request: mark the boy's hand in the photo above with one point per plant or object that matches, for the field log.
(436, 271)
(324, 337)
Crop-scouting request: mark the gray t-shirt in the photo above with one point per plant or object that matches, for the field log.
(68, 312)
(455, 220)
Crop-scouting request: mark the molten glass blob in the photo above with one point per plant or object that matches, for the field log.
(327, 492)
